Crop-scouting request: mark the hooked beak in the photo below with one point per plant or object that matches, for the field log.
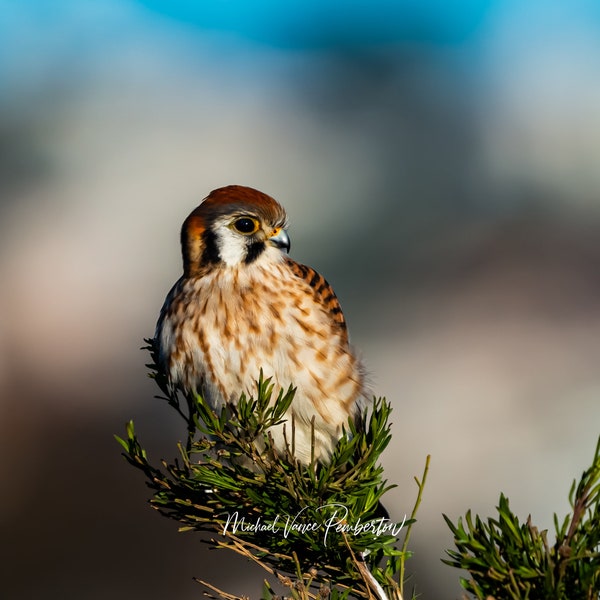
(280, 239)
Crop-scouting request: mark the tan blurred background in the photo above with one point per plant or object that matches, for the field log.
(440, 168)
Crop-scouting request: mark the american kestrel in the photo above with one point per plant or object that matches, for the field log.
(243, 305)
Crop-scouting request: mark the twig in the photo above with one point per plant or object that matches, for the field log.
(221, 593)
(420, 485)
(361, 565)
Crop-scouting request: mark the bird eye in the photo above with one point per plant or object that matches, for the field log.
(246, 225)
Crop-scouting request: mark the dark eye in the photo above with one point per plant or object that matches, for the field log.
(245, 225)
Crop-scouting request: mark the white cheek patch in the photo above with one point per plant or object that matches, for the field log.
(232, 246)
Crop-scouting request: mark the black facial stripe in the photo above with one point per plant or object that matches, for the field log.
(254, 251)
(210, 255)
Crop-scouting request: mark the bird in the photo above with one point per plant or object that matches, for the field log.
(242, 307)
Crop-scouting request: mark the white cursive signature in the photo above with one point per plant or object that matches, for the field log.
(335, 521)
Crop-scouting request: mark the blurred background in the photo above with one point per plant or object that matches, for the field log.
(440, 165)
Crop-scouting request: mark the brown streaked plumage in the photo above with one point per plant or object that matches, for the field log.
(243, 305)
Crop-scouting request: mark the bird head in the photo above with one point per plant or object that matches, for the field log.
(233, 225)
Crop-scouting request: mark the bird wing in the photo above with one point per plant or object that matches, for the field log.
(323, 293)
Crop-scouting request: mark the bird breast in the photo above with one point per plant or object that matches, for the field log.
(218, 331)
